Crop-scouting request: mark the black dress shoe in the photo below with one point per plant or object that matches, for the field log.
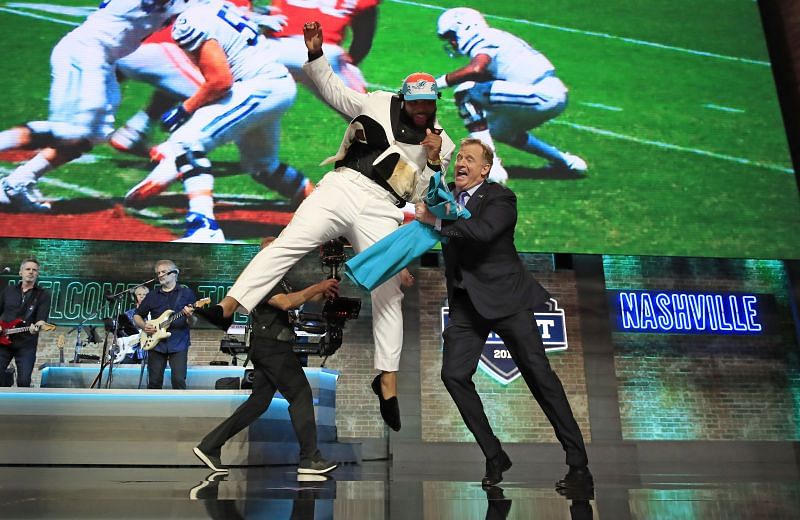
(499, 505)
(495, 468)
(577, 478)
(214, 316)
(390, 409)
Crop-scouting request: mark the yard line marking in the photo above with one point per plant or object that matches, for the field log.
(39, 17)
(722, 108)
(234, 199)
(639, 140)
(75, 187)
(91, 192)
(601, 106)
(668, 146)
(607, 36)
(89, 158)
(78, 12)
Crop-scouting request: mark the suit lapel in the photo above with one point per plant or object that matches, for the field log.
(477, 198)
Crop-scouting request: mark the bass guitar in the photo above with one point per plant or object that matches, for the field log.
(10, 328)
(162, 323)
(126, 345)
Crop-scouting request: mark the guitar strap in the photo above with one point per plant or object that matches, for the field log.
(174, 298)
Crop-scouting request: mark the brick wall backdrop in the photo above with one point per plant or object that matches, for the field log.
(705, 387)
(670, 387)
(513, 413)
(357, 408)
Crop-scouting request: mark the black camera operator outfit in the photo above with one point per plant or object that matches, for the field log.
(276, 367)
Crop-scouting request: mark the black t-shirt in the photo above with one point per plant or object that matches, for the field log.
(32, 306)
(270, 322)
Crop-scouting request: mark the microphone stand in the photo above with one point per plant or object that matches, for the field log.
(144, 353)
(115, 310)
(78, 344)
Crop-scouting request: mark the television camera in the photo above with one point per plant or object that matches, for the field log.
(322, 333)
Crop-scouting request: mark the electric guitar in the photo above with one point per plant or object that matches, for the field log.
(125, 346)
(162, 323)
(60, 345)
(7, 329)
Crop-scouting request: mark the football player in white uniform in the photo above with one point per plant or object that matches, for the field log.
(155, 61)
(507, 89)
(244, 95)
(84, 94)
(159, 62)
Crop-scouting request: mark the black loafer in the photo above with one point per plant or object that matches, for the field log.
(495, 468)
(214, 316)
(390, 409)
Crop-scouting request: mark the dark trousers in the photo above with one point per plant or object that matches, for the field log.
(24, 358)
(157, 364)
(463, 343)
(276, 367)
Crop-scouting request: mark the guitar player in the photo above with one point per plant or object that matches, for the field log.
(30, 303)
(170, 295)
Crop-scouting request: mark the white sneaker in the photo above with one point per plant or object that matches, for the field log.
(164, 174)
(315, 467)
(4, 200)
(129, 140)
(23, 199)
(575, 163)
(498, 173)
(306, 477)
(208, 488)
(202, 230)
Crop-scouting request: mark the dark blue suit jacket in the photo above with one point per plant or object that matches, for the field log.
(481, 250)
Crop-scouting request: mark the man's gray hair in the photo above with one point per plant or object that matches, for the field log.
(170, 263)
(30, 260)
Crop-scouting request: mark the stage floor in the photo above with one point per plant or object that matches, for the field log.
(377, 490)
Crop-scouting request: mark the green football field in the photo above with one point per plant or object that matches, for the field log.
(672, 104)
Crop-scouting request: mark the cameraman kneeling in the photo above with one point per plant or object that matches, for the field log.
(276, 368)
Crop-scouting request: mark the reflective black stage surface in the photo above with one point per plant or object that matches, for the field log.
(380, 491)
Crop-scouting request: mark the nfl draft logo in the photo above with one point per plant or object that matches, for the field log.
(496, 359)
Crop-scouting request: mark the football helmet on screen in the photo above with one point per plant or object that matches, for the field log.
(459, 19)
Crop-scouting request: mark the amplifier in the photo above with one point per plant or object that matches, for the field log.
(232, 346)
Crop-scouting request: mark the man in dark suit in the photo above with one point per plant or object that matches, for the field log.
(489, 288)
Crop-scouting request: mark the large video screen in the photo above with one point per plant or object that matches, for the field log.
(671, 105)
